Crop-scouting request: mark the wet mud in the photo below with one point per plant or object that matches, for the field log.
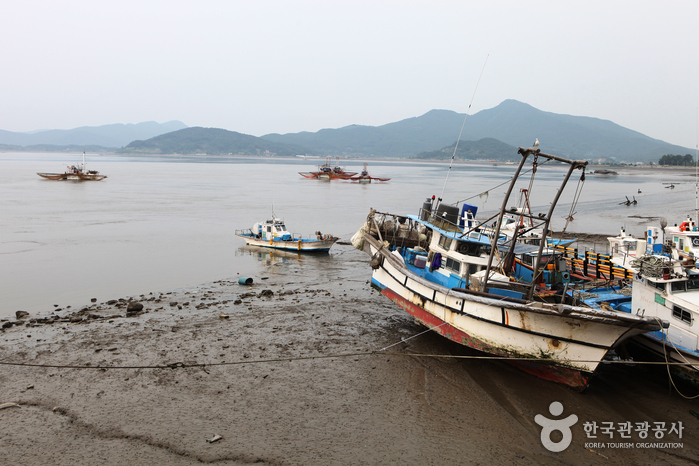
(289, 370)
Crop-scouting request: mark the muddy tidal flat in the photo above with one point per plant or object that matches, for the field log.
(289, 370)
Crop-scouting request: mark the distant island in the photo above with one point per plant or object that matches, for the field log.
(211, 141)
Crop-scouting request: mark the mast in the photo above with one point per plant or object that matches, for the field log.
(574, 164)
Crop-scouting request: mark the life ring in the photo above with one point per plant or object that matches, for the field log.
(684, 226)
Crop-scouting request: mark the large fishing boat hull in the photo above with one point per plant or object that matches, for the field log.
(303, 245)
(560, 343)
(328, 175)
(72, 176)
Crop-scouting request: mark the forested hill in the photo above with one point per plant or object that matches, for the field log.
(212, 141)
(483, 149)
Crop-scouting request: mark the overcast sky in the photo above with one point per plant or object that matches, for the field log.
(261, 67)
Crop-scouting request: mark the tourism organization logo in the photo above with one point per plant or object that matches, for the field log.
(606, 430)
(548, 426)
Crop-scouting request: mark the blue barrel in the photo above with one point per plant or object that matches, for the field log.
(245, 281)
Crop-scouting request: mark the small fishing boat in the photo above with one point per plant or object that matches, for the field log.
(329, 172)
(364, 177)
(75, 173)
(273, 234)
(455, 279)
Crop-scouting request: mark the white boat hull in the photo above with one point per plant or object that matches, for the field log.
(562, 348)
(304, 245)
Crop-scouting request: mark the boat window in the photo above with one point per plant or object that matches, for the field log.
(630, 245)
(678, 287)
(279, 228)
(682, 314)
(445, 242)
(468, 248)
(658, 285)
(693, 284)
(695, 241)
(472, 268)
(453, 265)
(527, 259)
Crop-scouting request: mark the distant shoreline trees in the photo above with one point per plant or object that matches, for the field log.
(677, 160)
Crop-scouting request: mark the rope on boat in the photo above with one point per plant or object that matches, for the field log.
(462, 127)
(672, 381)
(509, 180)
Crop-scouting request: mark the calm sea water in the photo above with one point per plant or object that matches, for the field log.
(160, 223)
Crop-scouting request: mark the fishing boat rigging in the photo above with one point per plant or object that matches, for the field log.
(454, 275)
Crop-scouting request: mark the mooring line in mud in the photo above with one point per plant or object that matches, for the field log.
(183, 365)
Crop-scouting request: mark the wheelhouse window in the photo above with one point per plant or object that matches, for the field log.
(658, 285)
(445, 242)
(678, 287)
(693, 284)
(630, 245)
(453, 265)
(682, 314)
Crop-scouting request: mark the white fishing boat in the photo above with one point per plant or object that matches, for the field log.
(665, 286)
(273, 234)
(440, 268)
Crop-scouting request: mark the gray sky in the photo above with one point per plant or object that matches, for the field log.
(260, 67)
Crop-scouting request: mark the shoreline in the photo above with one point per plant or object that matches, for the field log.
(691, 170)
(290, 370)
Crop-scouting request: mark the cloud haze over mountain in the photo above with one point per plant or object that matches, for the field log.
(285, 67)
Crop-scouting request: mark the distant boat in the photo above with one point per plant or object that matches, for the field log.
(75, 173)
(328, 172)
(273, 234)
(364, 177)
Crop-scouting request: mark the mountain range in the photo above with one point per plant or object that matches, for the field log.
(514, 123)
(106, 136)
(489, 134)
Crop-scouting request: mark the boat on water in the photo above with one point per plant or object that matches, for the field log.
(364, 176)
(272, 233)
(457, 280)
(75, 173)
(328, 171)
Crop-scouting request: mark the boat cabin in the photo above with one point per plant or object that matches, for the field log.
(453, 256)
(271, 229)
(675, 299)
(685, 237)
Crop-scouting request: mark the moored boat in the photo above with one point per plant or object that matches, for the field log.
(364, 176)
(273, 234)
(664, 285)
(75, 173)
(329, 172)
(454, 278)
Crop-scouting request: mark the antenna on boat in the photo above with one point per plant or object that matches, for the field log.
(456, 146)
(696, 173)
